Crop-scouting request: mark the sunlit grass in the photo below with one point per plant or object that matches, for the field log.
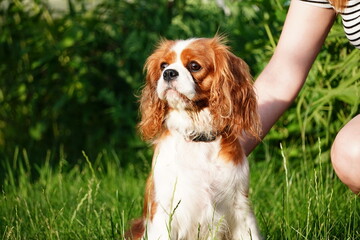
(292, 199)
(303, 199)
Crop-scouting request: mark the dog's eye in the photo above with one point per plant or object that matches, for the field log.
(163, 65)
(194, 67)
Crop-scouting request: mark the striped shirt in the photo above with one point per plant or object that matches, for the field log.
(350, 18)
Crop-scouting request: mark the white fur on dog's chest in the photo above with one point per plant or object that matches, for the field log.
(184, 161)
(191, 181)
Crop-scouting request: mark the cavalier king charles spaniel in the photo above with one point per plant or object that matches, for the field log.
(197, 102)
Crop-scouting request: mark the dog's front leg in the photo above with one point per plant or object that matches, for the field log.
(158, 227)
(245, 227)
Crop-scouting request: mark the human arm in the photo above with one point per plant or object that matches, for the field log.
(303, 34)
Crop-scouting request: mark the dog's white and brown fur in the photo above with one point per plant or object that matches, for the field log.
(197, 101)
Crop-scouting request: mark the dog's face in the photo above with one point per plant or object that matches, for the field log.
(194, 74)
(186, 73)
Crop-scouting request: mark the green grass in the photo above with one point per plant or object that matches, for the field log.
(84, 201)
(303, 199)
(292, 198)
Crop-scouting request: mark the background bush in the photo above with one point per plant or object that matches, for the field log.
(69, 78)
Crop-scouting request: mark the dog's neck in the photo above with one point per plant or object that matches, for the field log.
(193, 126)
(202, 137)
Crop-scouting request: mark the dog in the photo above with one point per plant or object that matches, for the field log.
(197, 102)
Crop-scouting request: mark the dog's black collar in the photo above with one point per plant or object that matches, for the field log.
(203, 137)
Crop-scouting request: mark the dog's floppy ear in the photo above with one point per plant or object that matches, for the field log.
(152, 109)
(232, 97)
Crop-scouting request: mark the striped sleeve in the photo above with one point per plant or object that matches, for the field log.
(350, 18)
(351, 22)
(318, 3)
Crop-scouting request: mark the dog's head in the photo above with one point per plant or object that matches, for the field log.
(195, 74)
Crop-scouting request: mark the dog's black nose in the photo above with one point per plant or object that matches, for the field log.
(170, 74)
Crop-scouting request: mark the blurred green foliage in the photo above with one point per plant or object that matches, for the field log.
(69, 79)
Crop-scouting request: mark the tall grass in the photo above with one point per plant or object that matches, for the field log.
(85, 201)
(291, 199)
(302, 199)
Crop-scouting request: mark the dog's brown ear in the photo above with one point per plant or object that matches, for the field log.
(233, 100)
(152, 109)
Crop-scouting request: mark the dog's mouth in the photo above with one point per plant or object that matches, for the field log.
(176, 99)
(171, 93)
